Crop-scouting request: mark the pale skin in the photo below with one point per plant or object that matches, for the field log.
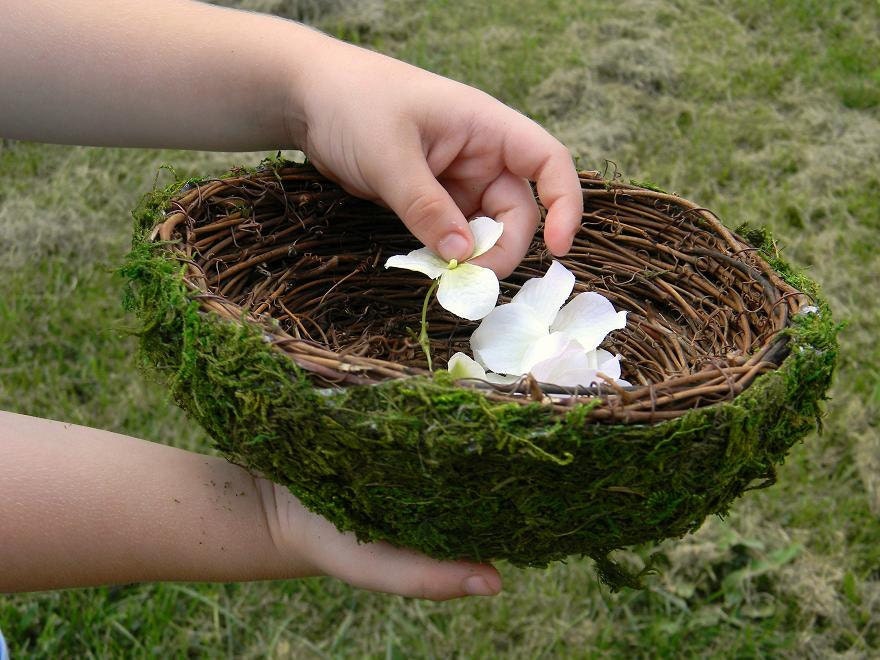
(84, 507)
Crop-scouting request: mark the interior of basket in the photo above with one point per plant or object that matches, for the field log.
(291, 246)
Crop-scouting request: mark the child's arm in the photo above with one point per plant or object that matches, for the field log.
(184, 74)
(88, 507)
(82, 507)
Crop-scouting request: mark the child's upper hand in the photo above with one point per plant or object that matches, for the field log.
(434, 151)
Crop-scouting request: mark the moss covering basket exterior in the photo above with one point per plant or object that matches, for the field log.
(426, 463)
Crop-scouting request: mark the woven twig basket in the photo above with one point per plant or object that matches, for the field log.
(266, 307)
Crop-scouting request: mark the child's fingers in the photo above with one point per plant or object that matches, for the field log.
(533, 153)
(383, 567)
(509, 199)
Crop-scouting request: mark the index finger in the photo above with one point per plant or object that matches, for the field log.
(534, 154)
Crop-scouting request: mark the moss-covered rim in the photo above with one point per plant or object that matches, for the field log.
(506, 481)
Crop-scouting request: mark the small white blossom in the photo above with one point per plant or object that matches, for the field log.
(465, 289)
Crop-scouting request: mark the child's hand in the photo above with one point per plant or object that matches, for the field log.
(323, 550)
(85, 507)
(433, 150)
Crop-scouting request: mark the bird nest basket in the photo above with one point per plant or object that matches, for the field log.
(265, 308)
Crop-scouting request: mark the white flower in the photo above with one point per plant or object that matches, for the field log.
(466, 290)
(573, 367)
(535, 332)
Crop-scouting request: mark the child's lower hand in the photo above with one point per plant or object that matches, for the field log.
(86, 507)
(433, 150)
(297, 532)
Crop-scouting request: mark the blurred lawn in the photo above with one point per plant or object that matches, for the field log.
(763, 111)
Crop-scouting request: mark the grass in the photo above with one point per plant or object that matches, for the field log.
(766, 112)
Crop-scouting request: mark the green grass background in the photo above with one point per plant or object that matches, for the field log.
(767, 112)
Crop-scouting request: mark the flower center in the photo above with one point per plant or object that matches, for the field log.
(453, 263)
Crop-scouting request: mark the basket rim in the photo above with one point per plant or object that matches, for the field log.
(346, 370)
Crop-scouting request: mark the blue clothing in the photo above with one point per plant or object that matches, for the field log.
(4, 653)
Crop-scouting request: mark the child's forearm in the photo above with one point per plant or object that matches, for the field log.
(162, 74)
(83, 507)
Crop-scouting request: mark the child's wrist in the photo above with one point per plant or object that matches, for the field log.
(287, 527)
(300, 74)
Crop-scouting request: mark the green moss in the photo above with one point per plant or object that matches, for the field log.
(648, 185)
(760, 237)
(425, 464)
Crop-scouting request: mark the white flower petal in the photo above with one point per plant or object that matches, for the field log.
(597, 356)
(603, 356)
(608, 364)
(498, 379)
(546, 347)
(592, 357)
(468, 291)
(486, 233)
(463, 366)
(589, 317)
(570, 368)
(547, 294)
(504, 337)
(573, 367)
(421, 260)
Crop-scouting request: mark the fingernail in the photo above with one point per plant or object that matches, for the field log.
(453, 246)
(476, 585)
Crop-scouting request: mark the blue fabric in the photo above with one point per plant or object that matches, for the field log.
(4, 653)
